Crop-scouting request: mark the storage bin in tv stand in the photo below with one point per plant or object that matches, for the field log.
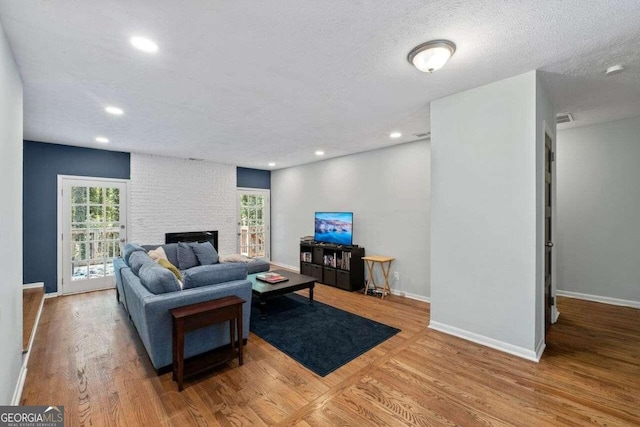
(335, 265)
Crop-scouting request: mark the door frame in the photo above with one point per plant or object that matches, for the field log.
(260, 191)
(60, 220)
(548, 131)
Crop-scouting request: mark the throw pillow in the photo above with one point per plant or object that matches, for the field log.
(158, 280)
(137, 260)
(234, 258)
(172, 268)
(186, 257)
(130, 248)
(205, 252)
(158, 254)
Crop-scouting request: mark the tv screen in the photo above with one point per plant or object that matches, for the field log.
(334, 227)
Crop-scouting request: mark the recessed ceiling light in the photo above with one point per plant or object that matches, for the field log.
(114, 110)
(431, 56)
(395, 134)
(272, 164)
(144, 44)
(319, 153)
(102, 139)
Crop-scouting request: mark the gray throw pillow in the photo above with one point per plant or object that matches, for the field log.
(137, 260)
(157, 279)
(129, 249)
(205, 252)
(186, 257)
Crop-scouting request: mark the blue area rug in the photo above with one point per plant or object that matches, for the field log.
(318, 336)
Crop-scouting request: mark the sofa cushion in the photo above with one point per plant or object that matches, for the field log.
(258, 265)
(234, 258)
(172, 268)
(157, 279)
(204, 275)
(137, 260)
(205, 252)
(130, 248)
(186, 257)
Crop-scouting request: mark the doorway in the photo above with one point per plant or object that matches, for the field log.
(549, 303)
(92, 225)
(254, 223)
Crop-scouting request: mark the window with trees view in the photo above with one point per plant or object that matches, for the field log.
(252, 226)
(95, 224)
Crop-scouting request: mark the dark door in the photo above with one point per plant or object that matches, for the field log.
(548, 300)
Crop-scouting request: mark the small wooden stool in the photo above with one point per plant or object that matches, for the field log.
(371, 261)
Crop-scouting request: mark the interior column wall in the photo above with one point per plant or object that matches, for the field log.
(484, 221)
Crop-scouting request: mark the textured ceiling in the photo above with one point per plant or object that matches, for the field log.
(247, 83)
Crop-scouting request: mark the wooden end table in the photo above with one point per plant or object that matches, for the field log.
(371, 261)
(200, 315)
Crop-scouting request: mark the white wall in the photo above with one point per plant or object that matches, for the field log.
(484, 214)
(388, 192)
(171, 195)
(598, 241)
(10, 222)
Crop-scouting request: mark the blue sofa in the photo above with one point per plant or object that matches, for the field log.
(148, 291)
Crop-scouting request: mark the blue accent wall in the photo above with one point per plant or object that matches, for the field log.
(253, 178)
(42, 165)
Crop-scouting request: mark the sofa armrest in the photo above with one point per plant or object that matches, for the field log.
(118, 266)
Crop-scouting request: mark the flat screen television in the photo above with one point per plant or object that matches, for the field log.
(334, 227)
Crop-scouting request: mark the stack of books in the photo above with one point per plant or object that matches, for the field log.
(345, 261)
(271, 278)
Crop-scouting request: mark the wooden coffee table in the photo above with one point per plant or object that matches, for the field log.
(264, 290)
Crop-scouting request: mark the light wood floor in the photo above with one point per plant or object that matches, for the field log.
(87, 357)
(31, 300)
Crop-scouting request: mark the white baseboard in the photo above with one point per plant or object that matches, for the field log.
(486, 341)
(410, 295)
(555, 314)
(597, 298)
(288, 267)
(51, 295)
(33, 332)
(17, 394)
(33, 285)
(540, 349)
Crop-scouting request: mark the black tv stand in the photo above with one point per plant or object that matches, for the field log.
(335, 265)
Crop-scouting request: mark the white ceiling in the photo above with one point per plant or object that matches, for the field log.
(247, 83)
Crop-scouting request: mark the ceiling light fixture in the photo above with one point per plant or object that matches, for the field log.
(431, 56)
(395, 135)
(615, 69)
(319, 153)
(114, 110)
(144, 44)
(102, 139)
(272, 164)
